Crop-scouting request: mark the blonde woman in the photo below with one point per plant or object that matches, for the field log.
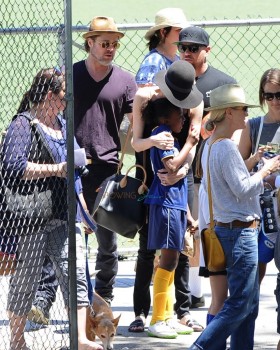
(235, 195)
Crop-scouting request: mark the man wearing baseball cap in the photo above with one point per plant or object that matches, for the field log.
(194, 47)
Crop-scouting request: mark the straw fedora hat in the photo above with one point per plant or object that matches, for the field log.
(100, 25)
(177, 84)
(228, 95)
(168, 17)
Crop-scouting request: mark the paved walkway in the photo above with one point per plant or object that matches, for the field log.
(266, 337)
(56, 335)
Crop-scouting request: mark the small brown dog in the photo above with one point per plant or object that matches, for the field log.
(101, 322)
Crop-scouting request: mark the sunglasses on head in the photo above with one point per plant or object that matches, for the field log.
(269, 96)
(194, 48)
(106, 44)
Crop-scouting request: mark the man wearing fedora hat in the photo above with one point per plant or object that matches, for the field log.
(103, 94)
(194, 47)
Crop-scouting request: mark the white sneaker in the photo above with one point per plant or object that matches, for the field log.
(178, 327)
(161, 330)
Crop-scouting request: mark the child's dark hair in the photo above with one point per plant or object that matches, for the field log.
(49, 79)
(158, 109)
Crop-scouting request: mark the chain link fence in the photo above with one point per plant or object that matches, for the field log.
(243, 49)
(30, 40)
(36, 35)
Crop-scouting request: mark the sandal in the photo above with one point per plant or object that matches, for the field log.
(197, 327)
(137, 326)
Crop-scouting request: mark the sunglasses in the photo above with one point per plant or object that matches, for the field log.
(191, 48)
(269, 96)
(106, 44)
(244, 109)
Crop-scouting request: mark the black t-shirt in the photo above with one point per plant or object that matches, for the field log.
(99, 108)
(210, 80)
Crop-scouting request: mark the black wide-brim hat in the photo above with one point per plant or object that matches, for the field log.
(178, 85)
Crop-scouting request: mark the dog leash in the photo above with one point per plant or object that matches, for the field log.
(92, 226)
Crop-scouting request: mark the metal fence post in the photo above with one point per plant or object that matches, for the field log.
(71, 185)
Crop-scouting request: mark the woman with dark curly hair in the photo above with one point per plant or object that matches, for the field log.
(37, 156)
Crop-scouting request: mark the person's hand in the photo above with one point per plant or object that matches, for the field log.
(87, 229)
(169, 179)
(270, 165)
(194, 134)
(259, 154)
(163, 140)
(192, 226)
(61, 170)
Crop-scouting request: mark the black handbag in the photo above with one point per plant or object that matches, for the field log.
(119, 205)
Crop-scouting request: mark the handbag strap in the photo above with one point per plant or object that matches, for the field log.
(34, 127)
(124, 148)
(210, 202)
(259, 135)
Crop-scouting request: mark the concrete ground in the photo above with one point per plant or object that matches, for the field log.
(56, 335)
(266, 337)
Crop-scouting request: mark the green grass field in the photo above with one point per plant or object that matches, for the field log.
(242, 52)
(140, 11)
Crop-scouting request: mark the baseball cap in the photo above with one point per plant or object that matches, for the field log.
(195, 35)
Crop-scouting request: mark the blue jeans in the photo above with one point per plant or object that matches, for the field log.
(240, 310)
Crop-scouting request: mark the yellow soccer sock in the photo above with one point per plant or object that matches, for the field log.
(169, 312)
(160, 294)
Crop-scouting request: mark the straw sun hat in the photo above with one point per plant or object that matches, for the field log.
(168, 17)
(228, 95)
(100, 25)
